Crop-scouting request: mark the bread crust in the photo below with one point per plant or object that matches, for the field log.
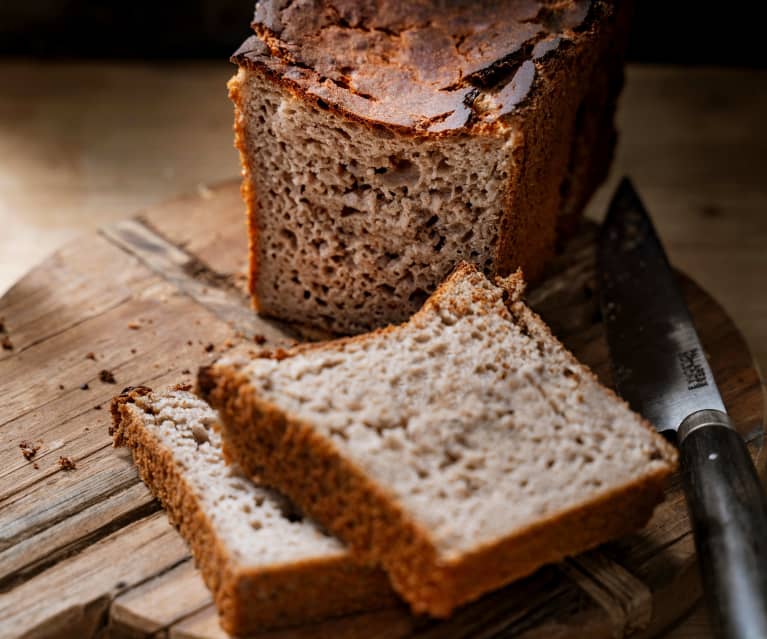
(567, 107)
(288, 453)
(573, 108)
(247, 187)
(247, 600)
(595, 134)
(420, 62)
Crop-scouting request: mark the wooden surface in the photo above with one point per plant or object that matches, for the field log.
(152, 298)
(83, 144)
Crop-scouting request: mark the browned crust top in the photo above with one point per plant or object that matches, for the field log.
(427, 66)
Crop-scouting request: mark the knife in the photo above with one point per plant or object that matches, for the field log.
(660, 368)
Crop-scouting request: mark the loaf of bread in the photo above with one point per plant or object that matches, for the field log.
(462, 450)
(383, 142)
(265, 564)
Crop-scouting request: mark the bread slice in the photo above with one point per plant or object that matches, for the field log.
(382, 143)
(462, 450)
(265, 564)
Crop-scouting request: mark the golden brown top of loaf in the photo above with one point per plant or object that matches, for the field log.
(427, 65)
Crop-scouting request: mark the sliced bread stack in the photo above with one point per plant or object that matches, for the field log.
(265, 564)
(460, 450)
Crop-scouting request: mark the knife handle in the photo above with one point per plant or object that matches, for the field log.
(729, 516)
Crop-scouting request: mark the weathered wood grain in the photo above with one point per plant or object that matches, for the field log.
(146, 297)
(383, 624)
(72, 598)
(62, 292)
(80, 525)
(214, 290)
(157, 604)
(209, 224)
(66, 420)
(626, 599)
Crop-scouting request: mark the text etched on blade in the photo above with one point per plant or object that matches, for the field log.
(693, 371)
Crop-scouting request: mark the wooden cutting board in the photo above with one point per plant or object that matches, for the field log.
(88, 552)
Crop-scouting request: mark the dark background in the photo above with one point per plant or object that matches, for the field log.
(664, 32)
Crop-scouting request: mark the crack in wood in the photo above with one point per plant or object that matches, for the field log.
(755, 435)
(73, 391)
(625, 598)
(11, 580)
(40, 340)
(9, 541)
(192, 277)
(53, 400)
(504, 615)
(192, 265)
(93, 578)
(171, 596)
(660, 547)
(108, 628)
(44, 453)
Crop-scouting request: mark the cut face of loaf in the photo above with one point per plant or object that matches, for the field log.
(381, 146)
(463, 449)
(265, 565)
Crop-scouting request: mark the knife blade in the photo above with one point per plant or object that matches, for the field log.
(660, 368)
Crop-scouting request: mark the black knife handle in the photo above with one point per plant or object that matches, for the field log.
(729, 516)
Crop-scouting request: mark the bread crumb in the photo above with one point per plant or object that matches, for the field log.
(259, 339)
(209, 348)
(133, 351)
(189, 342)
(61, 386)
(67, 463)
(35, 466)
(29, 449)
(2, 325)
(7, 343)
(134, 326)
(97, 407)
(186, 371)
(91, 355)
(107, 377)
(84, 386)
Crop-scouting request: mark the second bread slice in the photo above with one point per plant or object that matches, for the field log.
(265, 565)
(462, 450)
